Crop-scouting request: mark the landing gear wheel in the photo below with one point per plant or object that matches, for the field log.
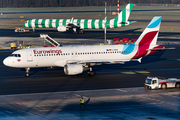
(81, 32)
(90, 73)
(27, 75)
(163, 86)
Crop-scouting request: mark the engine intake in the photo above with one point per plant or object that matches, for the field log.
(73, 69)
(61, 28)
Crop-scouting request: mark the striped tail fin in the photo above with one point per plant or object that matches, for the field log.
(147, 40)
(123, 16)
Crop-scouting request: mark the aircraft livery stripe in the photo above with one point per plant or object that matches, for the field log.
(50, 23)
(144, 44)
(117, 17)
(29, 23)
(89, 23)
(33, 23)
(97, 23)
(128, 48)
(93, 24)
(43, 23)
(82, 24)
(39, 23)
(107, 24)
(100, 24)
(60, 22)
(154, 22)
(57, 22)
(53, 23)
(124, 15)
(36, 23)
(64, 22)
(79, 22)
(115, 23)
(47, 23)
(85, 23)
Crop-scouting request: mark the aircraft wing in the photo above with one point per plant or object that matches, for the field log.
(110, 61)
(71, 25)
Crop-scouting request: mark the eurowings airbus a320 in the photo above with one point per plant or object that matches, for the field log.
(76, 59)
(63, 25)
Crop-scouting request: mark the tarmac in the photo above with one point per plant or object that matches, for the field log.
(115, 92)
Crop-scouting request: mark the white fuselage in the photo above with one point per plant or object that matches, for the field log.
(60, 56)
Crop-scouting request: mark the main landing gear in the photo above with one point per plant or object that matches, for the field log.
(27, 72)
(90, 72)
(81, 31)
(77, 30)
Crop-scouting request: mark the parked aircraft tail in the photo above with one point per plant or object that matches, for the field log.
(123, 16)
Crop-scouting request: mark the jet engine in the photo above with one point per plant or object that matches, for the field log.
(61, 28)
(73, 69)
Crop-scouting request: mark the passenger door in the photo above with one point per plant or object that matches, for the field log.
(29, 56)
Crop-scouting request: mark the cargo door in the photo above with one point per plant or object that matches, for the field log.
(29, 56)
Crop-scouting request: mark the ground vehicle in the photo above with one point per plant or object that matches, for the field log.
(155, 83)
(21, 30)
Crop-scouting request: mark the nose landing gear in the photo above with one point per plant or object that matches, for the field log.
(27, 72)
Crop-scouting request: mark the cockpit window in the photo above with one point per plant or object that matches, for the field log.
(15, 55)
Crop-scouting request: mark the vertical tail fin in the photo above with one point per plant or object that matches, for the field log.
(123, 16)
(150, 34)
(147, 40)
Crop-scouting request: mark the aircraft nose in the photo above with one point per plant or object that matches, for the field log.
(24, 25)
(6, 62)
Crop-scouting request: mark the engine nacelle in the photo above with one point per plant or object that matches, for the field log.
(73, 69)
(61, 28)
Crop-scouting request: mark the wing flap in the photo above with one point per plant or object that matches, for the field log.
(96, 61)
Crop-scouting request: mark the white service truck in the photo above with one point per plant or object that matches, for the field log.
(156, 83)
